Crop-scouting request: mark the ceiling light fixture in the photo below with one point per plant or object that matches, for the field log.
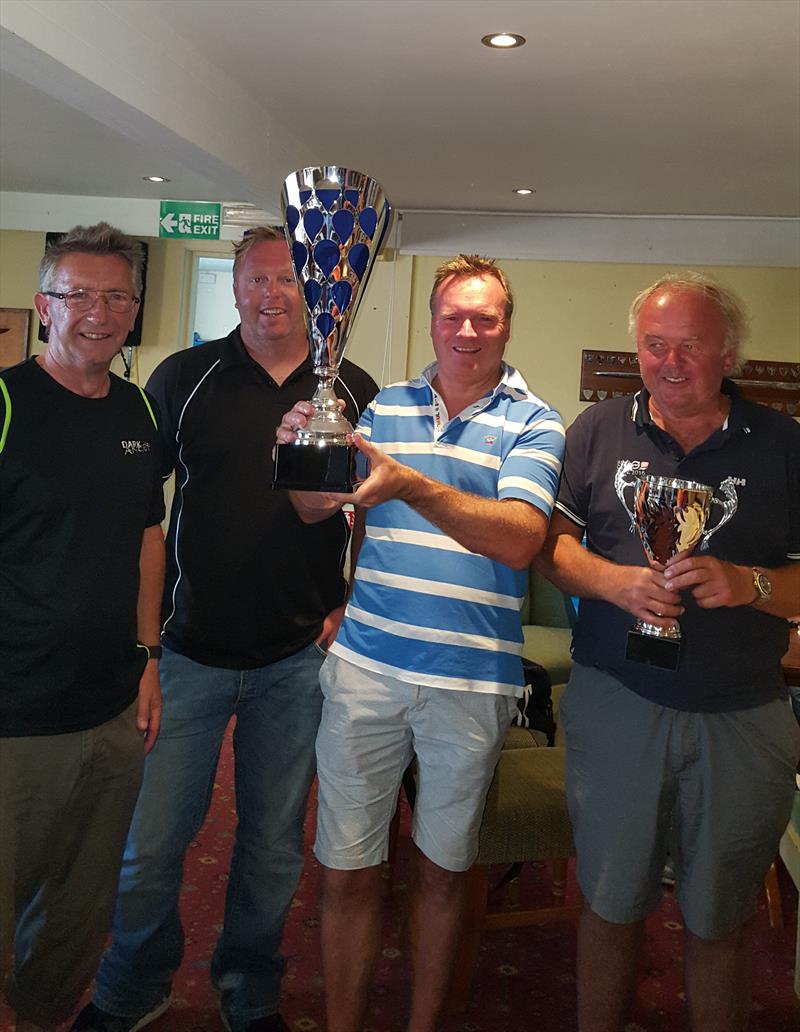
(523, 191)
(156, 179)
(503, 40)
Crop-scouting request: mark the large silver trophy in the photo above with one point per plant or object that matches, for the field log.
(671, 516)
(336, 220)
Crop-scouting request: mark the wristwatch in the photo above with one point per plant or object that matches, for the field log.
(763, 586)
(154, 651)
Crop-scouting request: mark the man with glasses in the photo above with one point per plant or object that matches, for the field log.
(81, 574)
(252, 598)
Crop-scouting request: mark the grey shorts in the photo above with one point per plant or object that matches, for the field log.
(372, 725)
(713, 789)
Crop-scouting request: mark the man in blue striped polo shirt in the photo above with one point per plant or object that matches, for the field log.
(464, 464)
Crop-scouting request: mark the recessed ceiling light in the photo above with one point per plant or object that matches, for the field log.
(523, 191)
(503, 40)
(156, 179)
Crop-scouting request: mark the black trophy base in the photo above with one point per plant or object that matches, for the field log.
(659, 652)
(312, 467)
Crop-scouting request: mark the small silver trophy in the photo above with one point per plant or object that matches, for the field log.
(336, 220)
(671, 516)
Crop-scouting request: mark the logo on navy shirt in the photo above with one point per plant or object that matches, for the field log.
(135, 447)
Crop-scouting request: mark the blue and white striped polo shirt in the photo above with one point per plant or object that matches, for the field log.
(424, 609)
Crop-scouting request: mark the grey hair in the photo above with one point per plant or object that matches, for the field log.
(101, 239)
(730, 306)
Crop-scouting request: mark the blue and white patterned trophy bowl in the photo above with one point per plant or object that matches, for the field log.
(336, 221)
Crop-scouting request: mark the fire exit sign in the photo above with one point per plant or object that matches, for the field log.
(189, 219)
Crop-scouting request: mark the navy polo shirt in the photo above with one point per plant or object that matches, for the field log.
(731, 656)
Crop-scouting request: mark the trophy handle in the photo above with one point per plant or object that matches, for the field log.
(729, 504)
(624, 478)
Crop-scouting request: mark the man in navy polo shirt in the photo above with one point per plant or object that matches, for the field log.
(698, 761)
(464, 462)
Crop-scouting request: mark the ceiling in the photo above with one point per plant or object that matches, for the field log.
(614, 106)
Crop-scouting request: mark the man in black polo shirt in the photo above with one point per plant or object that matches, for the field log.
(697, 761)
(81, 576)
(252, 598)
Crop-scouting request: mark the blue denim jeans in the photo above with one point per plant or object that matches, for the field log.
(277, 711)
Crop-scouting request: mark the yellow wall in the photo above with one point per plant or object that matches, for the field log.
(562, 308)
(565, 307)
(20, 254)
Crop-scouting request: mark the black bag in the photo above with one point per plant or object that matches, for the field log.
(535, 708)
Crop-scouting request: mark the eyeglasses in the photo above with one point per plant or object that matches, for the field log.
(84, 300)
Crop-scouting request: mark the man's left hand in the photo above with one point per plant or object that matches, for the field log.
(148, 707)
(713, 582)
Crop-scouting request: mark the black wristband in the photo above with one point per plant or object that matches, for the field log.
(153, 651)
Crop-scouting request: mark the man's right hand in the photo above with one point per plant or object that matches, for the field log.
(642, 591)
(310, 506)
(295, 419)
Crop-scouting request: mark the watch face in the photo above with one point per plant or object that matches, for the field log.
(763, 584)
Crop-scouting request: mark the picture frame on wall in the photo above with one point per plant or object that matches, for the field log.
(14, 328)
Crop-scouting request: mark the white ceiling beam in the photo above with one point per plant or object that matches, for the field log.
(136, 75)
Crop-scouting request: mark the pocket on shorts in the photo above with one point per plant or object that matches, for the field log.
(320, 648)
(325, 675)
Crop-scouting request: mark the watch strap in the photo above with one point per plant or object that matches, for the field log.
(763, 587)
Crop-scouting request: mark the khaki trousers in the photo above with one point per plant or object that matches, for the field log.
(65, 807)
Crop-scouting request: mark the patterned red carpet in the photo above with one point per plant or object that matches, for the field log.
(524, 981)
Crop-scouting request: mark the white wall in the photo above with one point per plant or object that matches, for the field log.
(215, 313)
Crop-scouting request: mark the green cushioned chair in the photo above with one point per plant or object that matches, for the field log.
(546, 628)
(525, 819)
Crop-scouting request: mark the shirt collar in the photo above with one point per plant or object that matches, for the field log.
(640, 409)
(640, 414)
(510, 381)
(234, 353)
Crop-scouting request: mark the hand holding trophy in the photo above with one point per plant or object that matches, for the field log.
(670, 516)
(336, 220)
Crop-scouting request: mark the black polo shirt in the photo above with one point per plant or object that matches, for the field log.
(248, 583)
(731, 655)
(79, 483)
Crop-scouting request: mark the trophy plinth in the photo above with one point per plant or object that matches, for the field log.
(336, 220)
(649, 644)
(671, 517)
(315, 466)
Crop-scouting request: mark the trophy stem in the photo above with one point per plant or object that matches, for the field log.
(327, 424)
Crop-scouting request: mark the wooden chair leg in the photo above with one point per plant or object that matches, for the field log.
(469, 944)
(560, 881)
(774, 902)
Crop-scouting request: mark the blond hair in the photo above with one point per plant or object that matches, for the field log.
(254, 236)
(470, 265)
